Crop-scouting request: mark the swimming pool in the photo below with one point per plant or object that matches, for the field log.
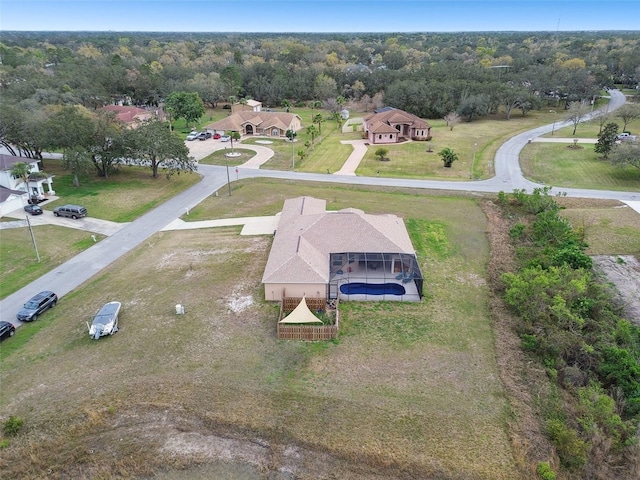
(372, 289)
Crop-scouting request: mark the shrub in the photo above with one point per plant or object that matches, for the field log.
(12, 425)
(571, 449)
(545, 472)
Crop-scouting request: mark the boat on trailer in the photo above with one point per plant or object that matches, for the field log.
(105, 322)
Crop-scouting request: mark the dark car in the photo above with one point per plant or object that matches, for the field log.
(6, 330)
(36, 306)
(33, 209)
(204, 135)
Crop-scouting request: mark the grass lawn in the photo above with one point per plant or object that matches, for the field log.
(561, 165)
(18, 261)
(124, 196)
(407, 387)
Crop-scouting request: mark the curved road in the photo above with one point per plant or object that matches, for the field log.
(82, 267)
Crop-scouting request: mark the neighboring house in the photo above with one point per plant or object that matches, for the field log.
(14, 194)
(249, 106)
(133, 116)
(269, 124)
(317, 254)
(390, 125)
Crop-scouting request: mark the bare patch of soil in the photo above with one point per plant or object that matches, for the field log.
(623, 271)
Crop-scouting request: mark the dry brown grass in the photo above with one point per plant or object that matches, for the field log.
(408, 391)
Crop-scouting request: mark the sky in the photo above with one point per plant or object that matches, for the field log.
(318, 16)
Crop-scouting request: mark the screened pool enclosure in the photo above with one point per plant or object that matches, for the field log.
(375, 276)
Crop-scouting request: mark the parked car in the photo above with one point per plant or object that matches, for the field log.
(6, 330)
(105, 322)
(216, 136)
(204, 135)
(73, 211)
(193, 135)
(225, 138)
(33, 209)
(36, 306)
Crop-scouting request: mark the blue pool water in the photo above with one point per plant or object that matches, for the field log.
(372, 289)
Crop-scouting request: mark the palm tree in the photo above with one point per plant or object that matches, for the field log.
(286, 104)
(22, 170)
(448, 156)
(314, 104)
(312, 130)
(318, 118)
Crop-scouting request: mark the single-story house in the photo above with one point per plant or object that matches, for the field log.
(390, 125)
(14, 194)
(269, 124)
(248, 106)
(347, 253)
(133, 116)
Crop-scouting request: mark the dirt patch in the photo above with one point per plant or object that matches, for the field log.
(623, 271)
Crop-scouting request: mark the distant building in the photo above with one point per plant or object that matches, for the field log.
(390, 125)
(133, 116)
(268, 124)
(248, 106)
(14, 194)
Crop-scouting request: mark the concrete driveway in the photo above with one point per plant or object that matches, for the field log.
(200, 149)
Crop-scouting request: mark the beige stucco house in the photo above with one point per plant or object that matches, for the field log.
(268, 124)
(390, 125)
(348, 253)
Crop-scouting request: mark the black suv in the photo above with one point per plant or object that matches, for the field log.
(36, 306)
(204, 135)
(6, 330)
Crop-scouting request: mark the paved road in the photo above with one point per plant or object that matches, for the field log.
(81, 268)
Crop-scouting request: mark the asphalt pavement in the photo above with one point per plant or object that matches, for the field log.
(85, 265)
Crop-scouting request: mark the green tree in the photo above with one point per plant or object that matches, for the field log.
(69, 127)
(185, 105)
(627, 113)
(78, 161)
(448, 156)
(381, 153)
(154, 146)
(606, 139)
(626, 154)
(291, 135)
(474, 106)
(318, 118)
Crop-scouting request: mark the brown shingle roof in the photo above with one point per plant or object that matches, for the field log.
(307, 234)
(264, 120)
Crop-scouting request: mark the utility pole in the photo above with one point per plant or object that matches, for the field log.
(33, 238)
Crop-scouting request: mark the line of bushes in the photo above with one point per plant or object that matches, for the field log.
(568, 319)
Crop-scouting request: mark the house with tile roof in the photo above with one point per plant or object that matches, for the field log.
(347, 253)
(268, 124)
(390, 125)
(133, 116)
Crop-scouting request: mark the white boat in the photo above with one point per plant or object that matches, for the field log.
(105, 322)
